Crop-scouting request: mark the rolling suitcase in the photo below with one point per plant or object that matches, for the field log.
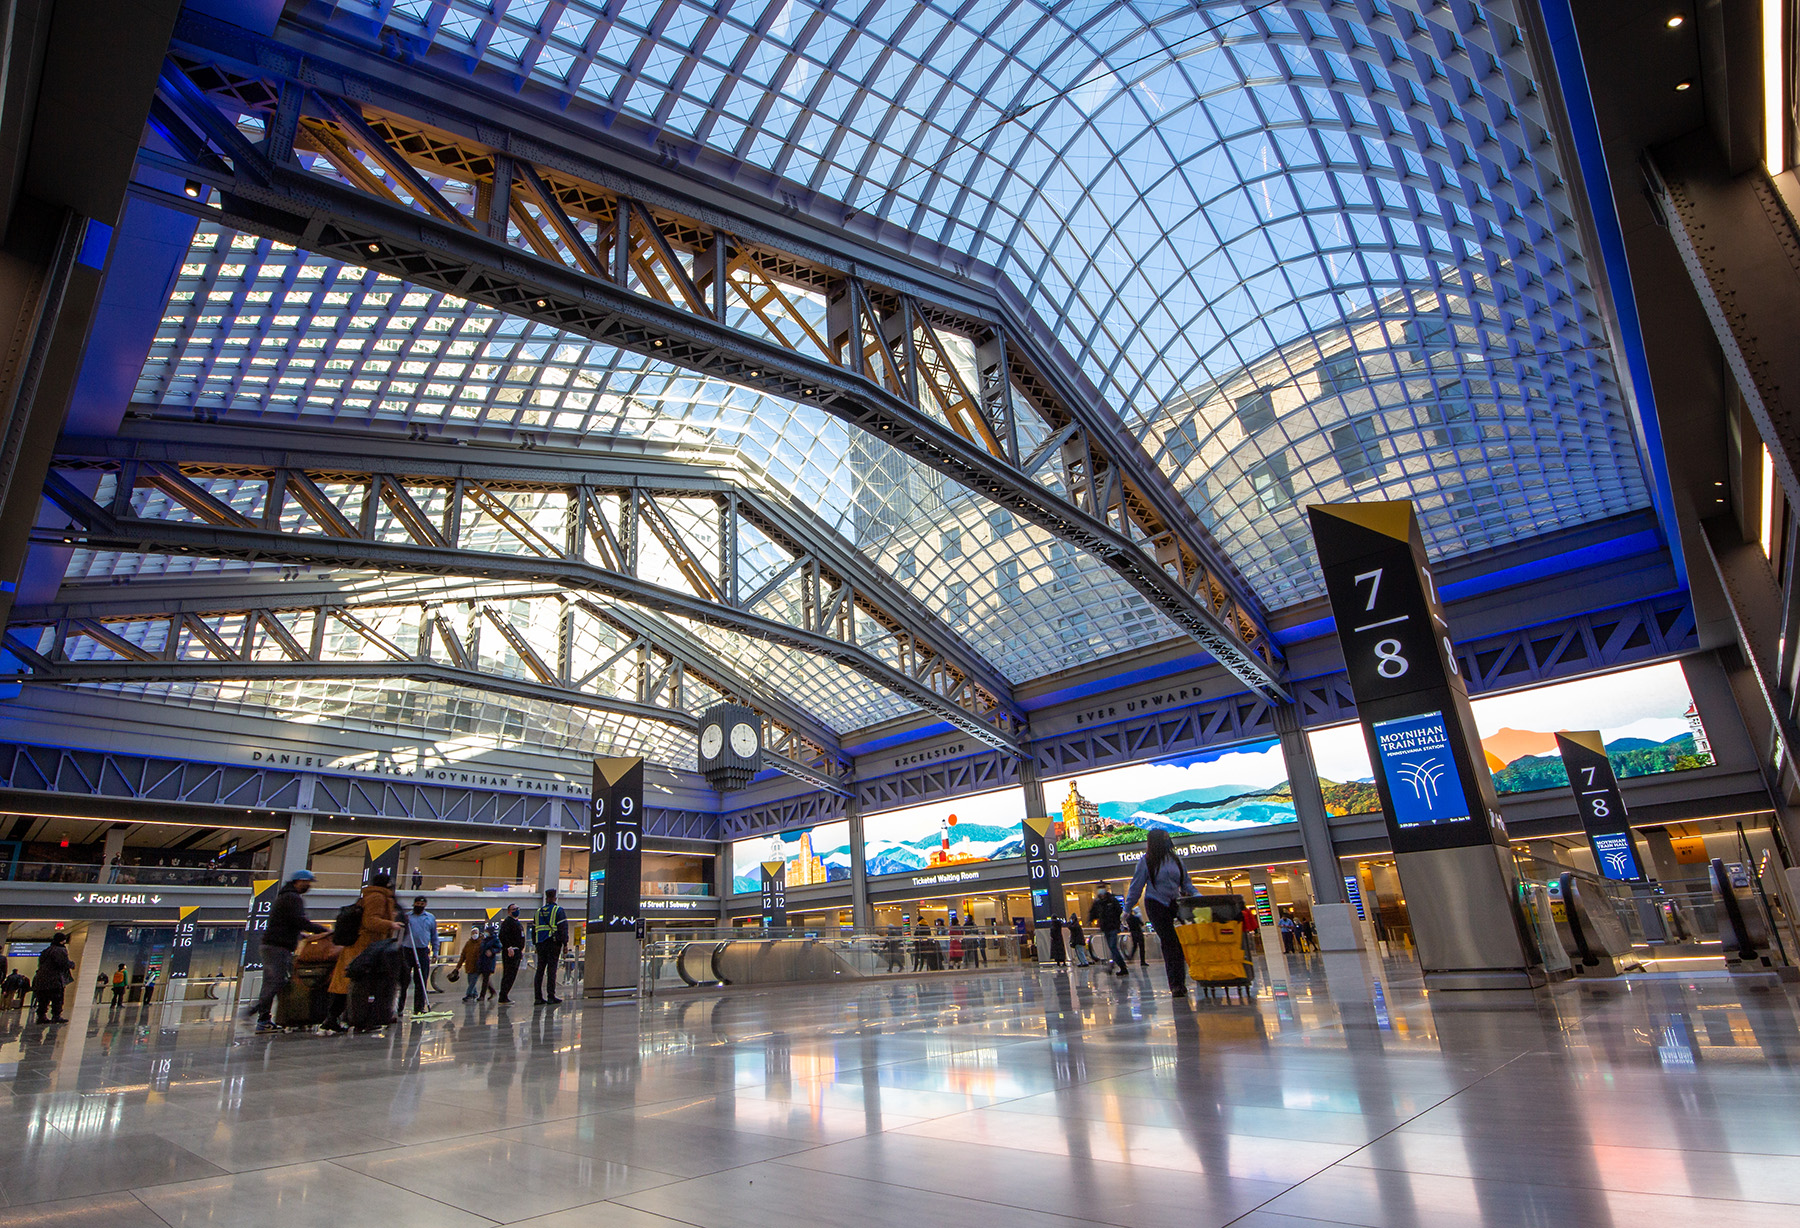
(303, 1003)
(374, 984)
(371, 1001)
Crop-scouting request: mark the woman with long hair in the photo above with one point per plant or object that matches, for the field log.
(1161, 880)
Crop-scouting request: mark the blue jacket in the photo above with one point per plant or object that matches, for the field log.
(420, 932)
(1171, 883)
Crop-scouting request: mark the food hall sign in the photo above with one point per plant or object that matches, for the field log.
(113, 897)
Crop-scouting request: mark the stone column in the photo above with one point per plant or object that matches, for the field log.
(111, 854)
(297, 850)
(550, 862)
(1333, 914)
(722, 880)
(1033, 787)
(862, 913)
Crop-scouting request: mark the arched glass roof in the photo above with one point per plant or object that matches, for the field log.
(1306, 250)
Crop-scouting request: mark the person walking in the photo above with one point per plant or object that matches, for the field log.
(376, 921)
(512, 947)
(490, 956)
(1135, 924)
(1078, 942)
(469, 964)
(54, 972)
(549, 935)
(1108, 914)
(418, 879)
(418, 944)
(287, 922)
(121, 980)
(1161, 880)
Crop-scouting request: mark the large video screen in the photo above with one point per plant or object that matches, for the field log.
(813, 855)
(1204, 793)
(958, 831)
(1646, 717)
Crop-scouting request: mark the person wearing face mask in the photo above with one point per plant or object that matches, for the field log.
(418, 943)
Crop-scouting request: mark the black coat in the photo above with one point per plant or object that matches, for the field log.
(55, 969)
(512, 934)
(288, 920)
(1107, 912)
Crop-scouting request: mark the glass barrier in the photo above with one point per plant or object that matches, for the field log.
(350, 880)
(689, 889)
(676, 959)
(130, 875)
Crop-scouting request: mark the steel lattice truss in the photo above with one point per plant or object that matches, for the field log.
(755, 588)
(1295, 243)
(933, 381)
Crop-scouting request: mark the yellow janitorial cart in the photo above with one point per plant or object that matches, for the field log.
(1212, 933)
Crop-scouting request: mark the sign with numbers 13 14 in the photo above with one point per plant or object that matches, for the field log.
(615, 845)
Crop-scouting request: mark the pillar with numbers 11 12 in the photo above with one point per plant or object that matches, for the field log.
(1443, 816)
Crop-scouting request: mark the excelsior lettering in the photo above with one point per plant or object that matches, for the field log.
(926, 756)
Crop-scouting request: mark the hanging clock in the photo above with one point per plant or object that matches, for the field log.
(730, 746)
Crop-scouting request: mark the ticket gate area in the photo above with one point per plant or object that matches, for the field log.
(1594, 937)
(1745, 932)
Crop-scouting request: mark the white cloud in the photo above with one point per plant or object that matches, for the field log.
(1139, 782)
(1611, 703)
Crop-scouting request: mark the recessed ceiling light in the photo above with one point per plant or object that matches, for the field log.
(1674, 23)
(1683, 85)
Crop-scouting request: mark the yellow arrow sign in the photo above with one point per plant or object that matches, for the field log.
(189, 911)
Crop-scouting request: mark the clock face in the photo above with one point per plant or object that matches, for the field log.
(743, 740)
(712, 740)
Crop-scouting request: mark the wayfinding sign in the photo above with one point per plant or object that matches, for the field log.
(615, 845)
(1602, 809)
(1430, 770)
(1047, 901)
(774, 894)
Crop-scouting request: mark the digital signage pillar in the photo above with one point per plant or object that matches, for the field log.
(181, 953)
(382, 857)
(1047, 903)
(1449, 840)
(1602, 809)
(774, 894)
(613, 953)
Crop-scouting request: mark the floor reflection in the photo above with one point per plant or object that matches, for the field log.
(1342, 1093)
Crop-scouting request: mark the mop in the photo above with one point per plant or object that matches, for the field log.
(425, 995)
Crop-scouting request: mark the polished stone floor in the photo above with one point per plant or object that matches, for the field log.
(1344, 1096)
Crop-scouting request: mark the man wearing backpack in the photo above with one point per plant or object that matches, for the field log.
(512, 947)
(287, 922)
(549, 934)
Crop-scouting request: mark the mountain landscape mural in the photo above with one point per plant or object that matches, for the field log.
(987, 827)
(1647, 719)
